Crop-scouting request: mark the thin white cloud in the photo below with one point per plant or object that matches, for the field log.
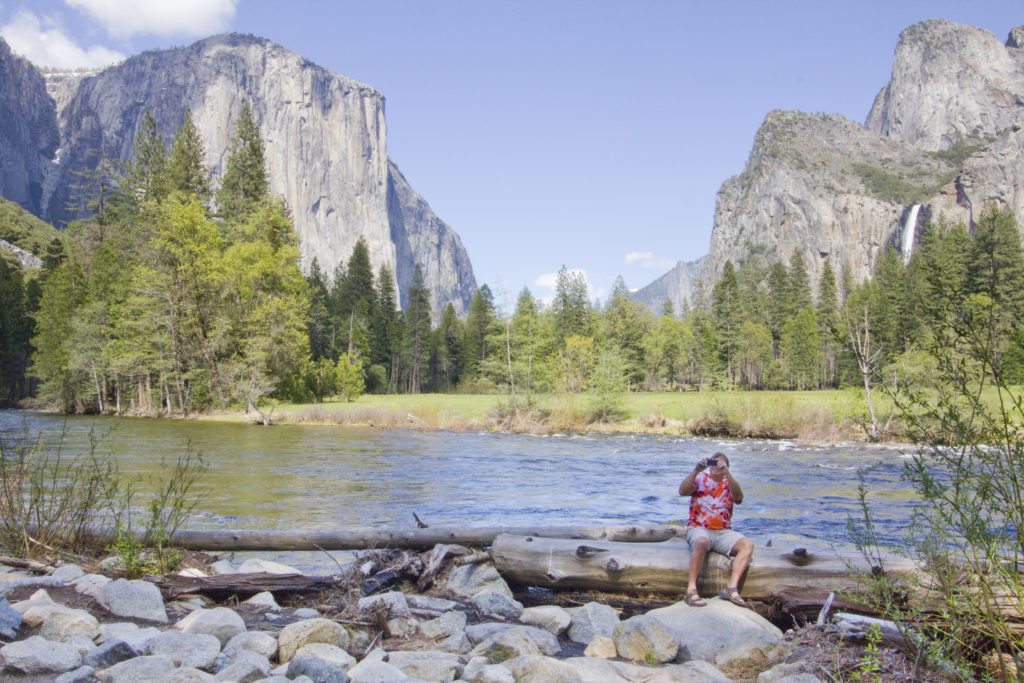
(43, 43)
(646, 259)
(165, 18)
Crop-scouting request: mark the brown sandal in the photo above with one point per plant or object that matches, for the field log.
(732, 594)
(693, 599)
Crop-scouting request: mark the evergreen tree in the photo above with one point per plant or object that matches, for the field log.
(15, 335)
(827, 312)
(726, 310)
(479, 320)
(445, 363)
(319, 328)
(244, 184)
(417, 332)
(387, 332)
(570, 306)
(145, 176)
(623, 327)
(799, 283)
(63, 293)
(779, 304)
(995, 265)
(801, 349)
(186, 164)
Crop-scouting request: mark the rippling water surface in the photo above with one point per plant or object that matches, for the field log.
(322, 477)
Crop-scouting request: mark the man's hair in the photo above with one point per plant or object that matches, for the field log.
(723, 456)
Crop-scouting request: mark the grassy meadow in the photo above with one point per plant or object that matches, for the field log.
(818, 416)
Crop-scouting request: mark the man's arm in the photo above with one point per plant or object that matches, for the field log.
(687, 488)
(734, 487)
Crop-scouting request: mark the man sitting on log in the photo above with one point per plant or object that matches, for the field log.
(712, 494)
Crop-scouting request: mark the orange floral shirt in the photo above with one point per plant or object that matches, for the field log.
(711, 503)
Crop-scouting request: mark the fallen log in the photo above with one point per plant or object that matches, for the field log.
(662, 567)
(417, 539)
(223, 586)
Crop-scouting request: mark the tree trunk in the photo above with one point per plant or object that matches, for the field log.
(662, 567)
(361, 538)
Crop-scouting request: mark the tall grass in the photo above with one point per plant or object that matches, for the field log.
(53, 501)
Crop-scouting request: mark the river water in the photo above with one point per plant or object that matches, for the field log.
(306, 477)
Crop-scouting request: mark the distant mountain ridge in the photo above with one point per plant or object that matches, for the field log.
(946, 133)
(325, 136)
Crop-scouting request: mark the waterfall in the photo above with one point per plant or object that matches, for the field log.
(907, 236)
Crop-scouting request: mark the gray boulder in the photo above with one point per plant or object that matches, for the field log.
(494, 603)
(140, 670)
(457, 643)
(133, 599)
(220, 622)
(67, 573)
(37, 655)
(10, 620)
(610, 671)
(91, 585)
(187, 674)
(394, 600)
(375, 671)
(593, 619)
(259, 642)
(115, 630)
(320, 630)
(318, 670)
(265, 600)
(255, 565)
(196, 650)
(328, 653)
(468, 580)
(478, 670)
(789, 672)
(139, 639)
(642, 638)
(245, 666)
(429, 666)
(704, 632)
(110, 653)
(83, 674)
(548, 617)
(535, 668)
(506, 645)
(63, 624)
(427, 602)
(445, 625)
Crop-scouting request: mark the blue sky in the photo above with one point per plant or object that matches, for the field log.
(585, 133)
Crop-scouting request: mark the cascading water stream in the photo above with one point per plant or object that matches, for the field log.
(907, 235)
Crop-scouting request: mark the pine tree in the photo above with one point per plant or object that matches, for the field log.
(145, 176)
(726, 310)
(244, 184)
(570, 305)
(417, 332)
(623, 327)
(479, 320)
(779, 307)
(827, 312)
(799, 283)
(186, 165)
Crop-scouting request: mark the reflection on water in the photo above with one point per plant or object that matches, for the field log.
(322, 477)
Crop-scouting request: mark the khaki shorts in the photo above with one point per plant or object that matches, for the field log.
(720, 540)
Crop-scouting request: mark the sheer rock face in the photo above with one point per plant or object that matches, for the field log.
(947, 133)
(949, 82)
(28, 131)
(325, 141)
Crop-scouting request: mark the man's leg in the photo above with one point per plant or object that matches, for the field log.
(742, 551)
(698, 551)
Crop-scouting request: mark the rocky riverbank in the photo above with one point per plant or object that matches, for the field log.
(464, 624)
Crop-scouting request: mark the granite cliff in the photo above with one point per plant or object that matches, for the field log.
(946, 135)
(326, 149)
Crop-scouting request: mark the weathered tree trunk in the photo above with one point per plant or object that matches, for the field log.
(223, 586)
(662, 567)
(357, 538)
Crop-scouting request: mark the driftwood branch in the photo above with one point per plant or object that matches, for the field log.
(223, 586)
